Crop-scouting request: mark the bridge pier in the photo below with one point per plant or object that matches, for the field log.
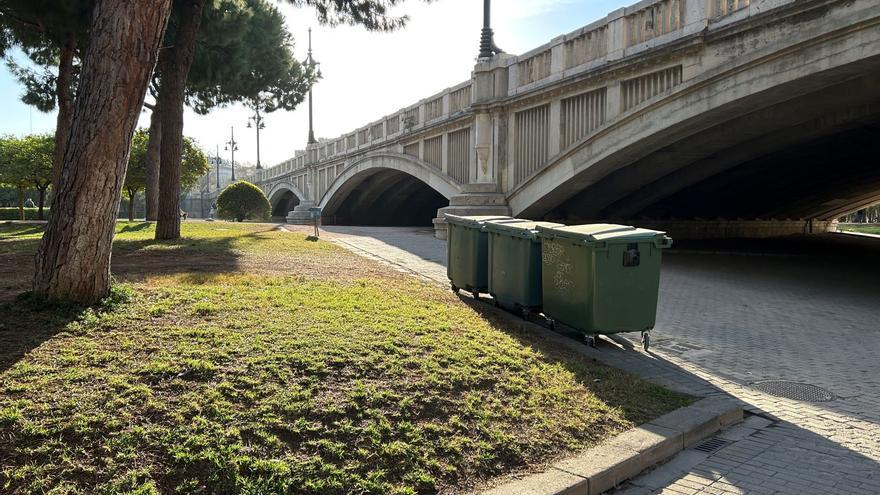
(476, 199)
(300, 214)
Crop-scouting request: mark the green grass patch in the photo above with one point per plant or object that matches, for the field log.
(258, 384)
(865, 229)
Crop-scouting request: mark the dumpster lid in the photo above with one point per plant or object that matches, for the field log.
(473, 221)
(517, 227)
(601, 232)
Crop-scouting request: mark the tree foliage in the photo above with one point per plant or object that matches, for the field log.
(371, 14)
(245, 54)
(194, 164)
(41, 28)
(242, 201)
(27, 162)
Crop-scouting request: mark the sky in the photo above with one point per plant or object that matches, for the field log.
(366, 75)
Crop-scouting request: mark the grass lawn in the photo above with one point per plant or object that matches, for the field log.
(247, 360)
(866, 229)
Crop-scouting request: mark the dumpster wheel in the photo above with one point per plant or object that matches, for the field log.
(454, 288)
(646, 340)
(592, 341)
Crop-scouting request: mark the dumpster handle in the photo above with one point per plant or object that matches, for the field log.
(663, 242)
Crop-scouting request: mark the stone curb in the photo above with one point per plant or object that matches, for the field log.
(607, 465)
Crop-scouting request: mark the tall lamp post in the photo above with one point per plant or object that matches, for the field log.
(314, 65)
(258, 123)
(217, 164)
(488, 49)
(232, 146)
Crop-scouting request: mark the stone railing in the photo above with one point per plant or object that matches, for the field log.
(389, 129)
(627, 31)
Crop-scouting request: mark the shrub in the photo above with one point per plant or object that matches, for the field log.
(11, 213)
(243, 201)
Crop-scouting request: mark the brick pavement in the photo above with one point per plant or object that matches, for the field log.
(724, 322)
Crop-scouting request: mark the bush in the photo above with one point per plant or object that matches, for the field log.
(11, 213)
(243, 201)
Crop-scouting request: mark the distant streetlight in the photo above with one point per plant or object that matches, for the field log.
(314, 65)
(232, 146)
(217, 164)
(258, 123)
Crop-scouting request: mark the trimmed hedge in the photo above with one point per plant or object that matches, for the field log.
(11, 213)
(242, 201)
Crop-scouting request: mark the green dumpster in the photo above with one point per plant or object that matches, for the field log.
(602, 278)
(515, 263)
(467, 252)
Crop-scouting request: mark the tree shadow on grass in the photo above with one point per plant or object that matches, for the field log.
(28, 321)
(135, 227)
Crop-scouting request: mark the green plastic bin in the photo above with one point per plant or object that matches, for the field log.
(467, 249)
(602, 278)
(515, 263)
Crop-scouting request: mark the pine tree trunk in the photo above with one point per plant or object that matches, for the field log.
(151, 192)
(131, 205)
(21, 203)
(64, 96)
(170, 104)
(42, 201)
(73, 260)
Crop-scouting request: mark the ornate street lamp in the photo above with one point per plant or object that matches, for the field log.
(311, 63)
(232, 145)
(258, 123)
(217, 164)
(488, 49)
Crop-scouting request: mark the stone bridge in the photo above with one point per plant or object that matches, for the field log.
(704, 117)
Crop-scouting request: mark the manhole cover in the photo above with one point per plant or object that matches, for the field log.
(794, 390)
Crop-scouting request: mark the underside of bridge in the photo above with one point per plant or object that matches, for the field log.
(282, 202)
(803, 151)
(384, 197)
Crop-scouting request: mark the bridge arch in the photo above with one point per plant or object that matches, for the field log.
(387, 188)
(775, 136)
(283, 197)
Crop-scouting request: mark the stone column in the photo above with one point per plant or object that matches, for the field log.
(481, 195)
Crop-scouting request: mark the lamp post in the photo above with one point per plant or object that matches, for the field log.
(488, 49)
(217, 164)
(312, 64)
(258, 123)
(232, 146)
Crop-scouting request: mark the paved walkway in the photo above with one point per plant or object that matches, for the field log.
(726, 321)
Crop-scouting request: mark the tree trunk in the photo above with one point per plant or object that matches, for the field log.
(170, 107)
(151, 191)
(64, 96)
(42, 201)
(21, 202)
(73, 260)
(131, 205)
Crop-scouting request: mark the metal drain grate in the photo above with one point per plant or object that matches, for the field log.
(794, 390)
(712, 445)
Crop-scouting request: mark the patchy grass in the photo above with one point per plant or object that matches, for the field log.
(865, 229)
(297, 381)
